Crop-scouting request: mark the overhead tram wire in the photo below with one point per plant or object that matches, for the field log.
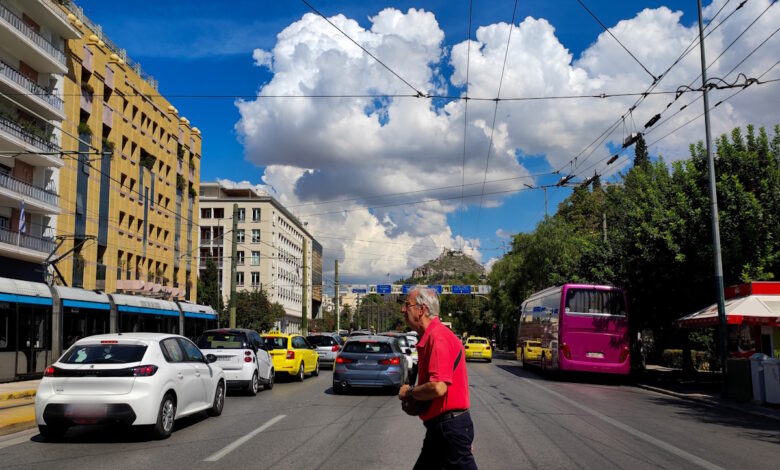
(616, 39)
(495, 113)
(465, 127)
(655, 83)
(418, 92)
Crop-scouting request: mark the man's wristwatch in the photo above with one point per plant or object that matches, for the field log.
(409, 392)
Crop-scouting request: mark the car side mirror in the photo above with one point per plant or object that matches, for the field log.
(211, 358)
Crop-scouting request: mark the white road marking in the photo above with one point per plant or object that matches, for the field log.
(634, 432)
(17, 438)
(238, 442)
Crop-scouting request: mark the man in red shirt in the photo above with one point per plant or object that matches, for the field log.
(443, 381)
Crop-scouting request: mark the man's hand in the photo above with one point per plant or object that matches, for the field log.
(404, 392)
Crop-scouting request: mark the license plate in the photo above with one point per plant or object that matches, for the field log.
(225, 358)
(595, 355)
(86, 411)
(367, 363)
(477, 353)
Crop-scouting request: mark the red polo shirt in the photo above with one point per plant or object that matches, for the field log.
(437, 350)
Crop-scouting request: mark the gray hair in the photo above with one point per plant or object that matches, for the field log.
(427, 297)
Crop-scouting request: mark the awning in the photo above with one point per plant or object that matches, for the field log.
(145, 305)
(753, 309)
(25, 292)
(197, 311)
(80, 298)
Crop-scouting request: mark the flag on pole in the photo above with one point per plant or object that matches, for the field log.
(22, 221)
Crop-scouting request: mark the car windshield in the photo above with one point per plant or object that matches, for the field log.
(477, 341)
(275, 342)
(318, 340)
(534, 344)
(213, 340)
(367, 347)
(104, 354)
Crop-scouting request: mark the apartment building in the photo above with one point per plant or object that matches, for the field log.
(128, 194)
(270, 245)
(33, 34)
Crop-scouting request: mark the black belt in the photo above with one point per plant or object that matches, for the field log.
(446, 416)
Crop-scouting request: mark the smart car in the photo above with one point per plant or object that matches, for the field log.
(131, 379)
(241, 354)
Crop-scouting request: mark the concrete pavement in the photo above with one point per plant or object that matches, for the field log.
(16, 406)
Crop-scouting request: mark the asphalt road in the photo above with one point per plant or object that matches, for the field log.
(521, 420)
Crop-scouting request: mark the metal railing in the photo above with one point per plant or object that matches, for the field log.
(33, 35)
(44, 245)
(29, 190)
(13, 128)
(37, 90)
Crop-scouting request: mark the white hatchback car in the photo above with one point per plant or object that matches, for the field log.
(128, 378)
(241, 355)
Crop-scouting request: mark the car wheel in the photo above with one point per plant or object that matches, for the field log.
(544, 364)
(300, 375)
(253, 385)
(316, 369)
(52, 433)
(490, 359)
(219, 400)
(338, 389)
(270, 384)
(165, 417)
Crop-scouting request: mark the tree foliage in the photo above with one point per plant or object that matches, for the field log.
(658, 243)
(255, 311)
(208, 287)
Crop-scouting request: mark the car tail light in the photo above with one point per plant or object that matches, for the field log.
(144, 371)
(566, 350)
(290, 354)
(109, 341)
(390, 362)
(487, 348)
(466, 346)
(623, 353)
(247, 359)
(49, 372)
(344, 360)
(335, 348)
(247, 353)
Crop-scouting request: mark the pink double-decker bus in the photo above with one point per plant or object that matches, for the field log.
(575, 327)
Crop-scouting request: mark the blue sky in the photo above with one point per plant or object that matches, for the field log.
(198, 49)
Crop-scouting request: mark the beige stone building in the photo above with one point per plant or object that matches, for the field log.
(270, 244)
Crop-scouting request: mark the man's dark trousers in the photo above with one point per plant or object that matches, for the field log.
(448, 444)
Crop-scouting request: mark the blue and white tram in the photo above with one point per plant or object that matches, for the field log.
(38, 322)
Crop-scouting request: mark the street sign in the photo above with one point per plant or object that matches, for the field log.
(437, 288)
(359, 291)
(406, 288)
(461, 289)
(384, 288)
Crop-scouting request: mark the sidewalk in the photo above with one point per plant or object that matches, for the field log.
(705, 389)
(16, 406)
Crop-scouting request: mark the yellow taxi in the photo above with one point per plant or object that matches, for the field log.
(291, 353)
(478, 348)
(529, 351)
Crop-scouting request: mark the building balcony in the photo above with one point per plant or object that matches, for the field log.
(13, 191)
(45, 11)
(23, 246)
(40, 100)
(25, 42)
(33, 148)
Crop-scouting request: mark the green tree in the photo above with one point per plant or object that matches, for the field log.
(641, 157)
(254, 311)
(208, 287)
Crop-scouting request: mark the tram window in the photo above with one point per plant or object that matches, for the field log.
(7, 327)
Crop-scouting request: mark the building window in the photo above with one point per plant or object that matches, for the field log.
(239, 258)
(255, 258)
(219, 213)
(255, 235)
(240, 237)
(205, 235)
(205, 213)
(239, 279)
(241, 215)
(255, 215)
(255, 279)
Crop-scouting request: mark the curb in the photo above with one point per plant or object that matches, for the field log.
(19, 394)
(710, 402)
(20, 418)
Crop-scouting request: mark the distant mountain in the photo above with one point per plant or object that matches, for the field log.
(450, 265)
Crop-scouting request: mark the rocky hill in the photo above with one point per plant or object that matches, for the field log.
(451, 264)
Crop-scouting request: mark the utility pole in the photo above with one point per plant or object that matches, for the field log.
(604, 220)
(545, 202)
(714, 208)
(305, 297)
(336, 293)
(233, 268)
